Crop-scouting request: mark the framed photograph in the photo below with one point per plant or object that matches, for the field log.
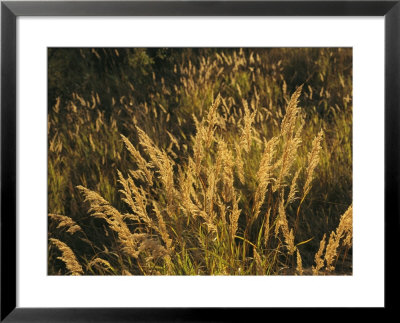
(197, 160)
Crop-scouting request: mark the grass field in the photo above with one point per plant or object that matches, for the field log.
(200, 161)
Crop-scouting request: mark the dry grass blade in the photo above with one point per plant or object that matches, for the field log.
(102, 263)
(144, 167)
(68, 257)
(100, 208)
(247, 131)
(225, 165)
(234, 216)
(292, 111)
(66, 221)
(164, 164)
(259, 266)
(299, 268)
(291, 129)
(313, 160)
(319, 260)
(284, 226)
(264, 175)
(293, 188)
(344, 230)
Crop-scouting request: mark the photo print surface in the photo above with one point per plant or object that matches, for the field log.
(200, 161)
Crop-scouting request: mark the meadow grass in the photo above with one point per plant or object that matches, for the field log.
(235, 162)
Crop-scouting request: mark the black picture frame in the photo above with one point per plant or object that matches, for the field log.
(10, 10)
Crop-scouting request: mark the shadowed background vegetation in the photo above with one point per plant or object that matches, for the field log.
(96, 95)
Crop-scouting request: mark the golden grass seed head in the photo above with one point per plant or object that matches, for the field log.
(68, 257)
